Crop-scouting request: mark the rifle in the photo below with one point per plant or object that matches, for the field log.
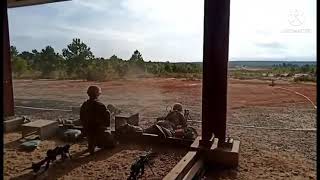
(52, 154)
(137, 168)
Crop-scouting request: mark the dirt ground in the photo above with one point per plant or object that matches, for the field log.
(264, 153)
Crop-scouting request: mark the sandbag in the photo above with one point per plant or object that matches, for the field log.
(30, 145)
(71, 135)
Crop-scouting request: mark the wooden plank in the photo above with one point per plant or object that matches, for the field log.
(194, 170)
(215, 144)
(236, 146)
(12, 124)
(196, 143)
(21, 3)
(182, 168)
(44, 128)
(39, 123)
(224, 156)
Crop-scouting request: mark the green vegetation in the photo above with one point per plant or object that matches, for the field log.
(293, 69)
(285, 70)
(78, 62)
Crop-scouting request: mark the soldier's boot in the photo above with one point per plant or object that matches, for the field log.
(91, 145)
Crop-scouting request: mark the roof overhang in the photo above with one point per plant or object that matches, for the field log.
(21, 3)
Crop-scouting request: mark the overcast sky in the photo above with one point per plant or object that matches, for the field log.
(166, 30)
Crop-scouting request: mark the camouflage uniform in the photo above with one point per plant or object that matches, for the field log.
(176, 118)
(95, 118)
(166, 126)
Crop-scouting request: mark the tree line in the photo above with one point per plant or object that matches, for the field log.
(294, 68)
(78, 62)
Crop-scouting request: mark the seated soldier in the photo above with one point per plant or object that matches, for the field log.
(95, 118)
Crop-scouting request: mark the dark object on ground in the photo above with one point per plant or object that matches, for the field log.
(128, 128)
(272, 83)
(137, 168)
(36, 166)
(52, 154)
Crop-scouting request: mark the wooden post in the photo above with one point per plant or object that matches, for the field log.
(215, 69)
(8, 103)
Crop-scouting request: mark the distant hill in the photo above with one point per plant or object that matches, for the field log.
(265, 62)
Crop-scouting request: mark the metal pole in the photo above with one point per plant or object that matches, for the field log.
(8, 103)
(215, 69)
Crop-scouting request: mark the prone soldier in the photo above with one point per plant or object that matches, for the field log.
(173, 124)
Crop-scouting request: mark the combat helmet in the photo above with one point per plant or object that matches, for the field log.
(94, 91)
(177, 107)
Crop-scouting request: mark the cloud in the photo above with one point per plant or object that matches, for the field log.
(96, 5)
(162, 30)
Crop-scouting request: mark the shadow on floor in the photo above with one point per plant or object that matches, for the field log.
(221, 173)
(59, 168)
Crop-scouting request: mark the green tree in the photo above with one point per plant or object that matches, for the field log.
(136, 61)
(136, 56)
(13, 51)
(114, 58)
(78, 56)
(167, 67)
(35, 60)
(48, 61)
(28, 56)
(19, 66)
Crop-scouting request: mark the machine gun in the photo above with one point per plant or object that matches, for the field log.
(137, 168)
(52, 154)
(186, 114)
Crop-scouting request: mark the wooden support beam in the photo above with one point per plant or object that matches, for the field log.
(8, 104)
(226, 156)
(215, 69)
(22, 3)
(183, 166)
(195, 171)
